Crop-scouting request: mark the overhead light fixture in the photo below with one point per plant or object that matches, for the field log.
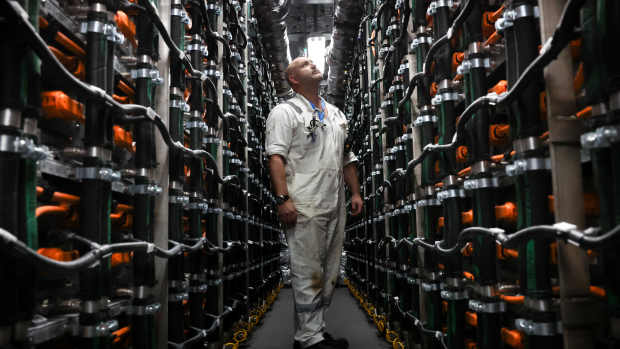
(317, 51)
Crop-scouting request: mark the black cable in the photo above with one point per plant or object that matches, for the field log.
(152, 12)
(460, 18)
(419, 324)
(89, 258)
(490, 99)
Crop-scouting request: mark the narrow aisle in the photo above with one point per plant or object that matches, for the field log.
(344, 319)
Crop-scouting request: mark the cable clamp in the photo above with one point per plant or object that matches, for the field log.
(427, 203)
(510, 16)
(94, 27)
(178, 284)
(481, 183)
(532, 328)
(445, 97)
(202, 206)
(98, 173)
(391, 28)
(423, 39)
(143, 310)
(146, 73)
(194, 124)
(424, 119)
(386, 104)
(103, 329)
(178, 297)
(521, 166)
(179, 104)
(213, 73)
(454, 295)
(602, 137)
(113, 35)
(429, 287)
(144, 189)
(487, 307)
(383, 51)
(178, 199)
(214, 8)
(198, 289)
(177, 12)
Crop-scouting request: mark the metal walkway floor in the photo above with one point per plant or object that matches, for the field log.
(344, 319)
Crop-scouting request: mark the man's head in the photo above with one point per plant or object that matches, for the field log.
(302, 72)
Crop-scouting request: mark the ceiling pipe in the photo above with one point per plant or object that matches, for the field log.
(271, 15)
(347, 16)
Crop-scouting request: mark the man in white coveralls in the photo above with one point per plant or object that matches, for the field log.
(305, 142)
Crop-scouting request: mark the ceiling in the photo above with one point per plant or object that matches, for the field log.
(308, 18)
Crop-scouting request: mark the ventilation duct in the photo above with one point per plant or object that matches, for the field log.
(347, 16)
(271, 15)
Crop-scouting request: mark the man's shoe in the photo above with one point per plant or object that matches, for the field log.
(339, 343)
(324, 344)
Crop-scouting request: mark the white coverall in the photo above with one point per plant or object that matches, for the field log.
(315, 181)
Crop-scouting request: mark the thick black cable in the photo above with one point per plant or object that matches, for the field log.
(460, 18)
(90, 258)
(419, 324)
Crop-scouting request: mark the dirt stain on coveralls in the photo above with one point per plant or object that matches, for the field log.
(315, 283)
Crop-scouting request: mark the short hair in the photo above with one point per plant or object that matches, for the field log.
(289, 70)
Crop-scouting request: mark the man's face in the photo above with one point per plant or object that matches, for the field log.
(303, 70)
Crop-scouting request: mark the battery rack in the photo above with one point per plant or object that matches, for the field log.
(485, 132)
(136, 209)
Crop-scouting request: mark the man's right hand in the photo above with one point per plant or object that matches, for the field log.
(287, 212)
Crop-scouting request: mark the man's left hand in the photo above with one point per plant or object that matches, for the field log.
(356, 205)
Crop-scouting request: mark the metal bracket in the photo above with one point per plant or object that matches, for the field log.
(487, 307)
(521, 166)
(23, 146)
(434, 5)
(194, 124)
(179, 104)
(446, 97)
(510, 16)
(103, 329)
(481, 183)
(99, 173)
(144, 189)
(473, 63)
(178, 297)
(602, 137)
(538, 328)
(425, 119)
(178, 199)
(450, 193)
(142, 310)
(146, 73)
(44, 330)
(454, 295)
(180, 13)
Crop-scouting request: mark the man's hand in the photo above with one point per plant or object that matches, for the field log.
(287, 213)
(356, 204)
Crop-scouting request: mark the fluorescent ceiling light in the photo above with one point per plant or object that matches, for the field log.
(317, 51)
